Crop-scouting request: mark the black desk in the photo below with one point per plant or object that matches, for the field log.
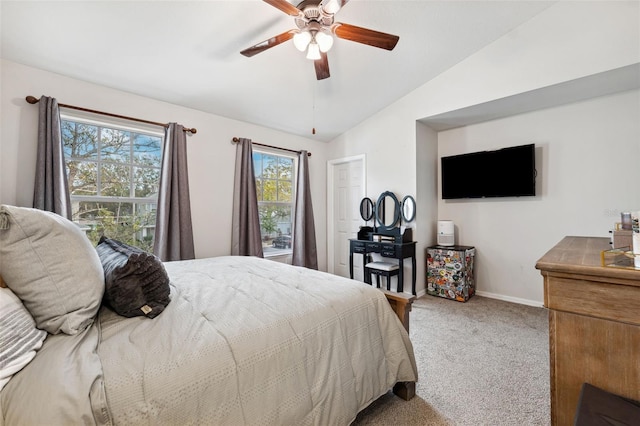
(398, 251)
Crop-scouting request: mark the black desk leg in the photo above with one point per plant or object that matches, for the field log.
(400, 288)
(351, 264)
(413, 275)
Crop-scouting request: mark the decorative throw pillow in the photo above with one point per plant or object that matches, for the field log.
(50, 264)
(136, 282)
(19, 336)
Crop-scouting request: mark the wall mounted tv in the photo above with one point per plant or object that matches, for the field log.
(506, 172)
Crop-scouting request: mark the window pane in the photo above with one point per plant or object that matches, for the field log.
(79, 140)
(259, 190)
(115, 146)
(269, 166)
(115, 180)
(131, 223)
(284, 191)
(147, 150)
(82, 177)
(146, 181)
(257, 165)
(269, 190)
(285, 168)
(275, 226)
(274, 219)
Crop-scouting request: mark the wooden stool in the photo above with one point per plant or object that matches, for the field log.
(385, 269)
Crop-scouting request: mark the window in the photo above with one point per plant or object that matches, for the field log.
(113, 174)
(275, 191)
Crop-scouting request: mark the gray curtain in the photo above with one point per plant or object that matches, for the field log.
(51, 192)
(174, 232)
(304, 232)
(245, 231)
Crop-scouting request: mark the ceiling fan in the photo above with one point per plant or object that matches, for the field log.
(316, 25)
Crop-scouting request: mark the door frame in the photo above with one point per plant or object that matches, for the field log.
(331, 164)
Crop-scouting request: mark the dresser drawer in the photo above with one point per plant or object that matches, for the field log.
(609, 301)
(358, 247)
(374, 247)
(388, 253)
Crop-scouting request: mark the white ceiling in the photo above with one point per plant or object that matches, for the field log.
(187, 53)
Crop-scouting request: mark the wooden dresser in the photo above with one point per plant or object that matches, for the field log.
(594, 324)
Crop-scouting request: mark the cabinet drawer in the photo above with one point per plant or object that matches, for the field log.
(358, 247)
(387, 253)
(388, 247)
(375, 247)
(593, 298)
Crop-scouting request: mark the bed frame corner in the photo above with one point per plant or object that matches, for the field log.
(401, 305)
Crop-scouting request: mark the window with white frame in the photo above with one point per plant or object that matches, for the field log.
(275, 189)
(113, 173)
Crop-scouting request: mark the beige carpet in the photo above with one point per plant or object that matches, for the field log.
(483, 362)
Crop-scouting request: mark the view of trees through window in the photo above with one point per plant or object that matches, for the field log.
(275, 191)
(113, 177)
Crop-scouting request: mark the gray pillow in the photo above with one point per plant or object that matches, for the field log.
(50, 264)
(136, 283)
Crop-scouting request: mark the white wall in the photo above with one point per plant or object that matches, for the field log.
(587, 158)
(211, 154)
(567, 41)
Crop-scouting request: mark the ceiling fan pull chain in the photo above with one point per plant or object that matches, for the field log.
(313, 111)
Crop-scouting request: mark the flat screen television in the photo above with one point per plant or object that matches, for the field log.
(506, 172)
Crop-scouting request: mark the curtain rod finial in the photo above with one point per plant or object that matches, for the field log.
(32, 99)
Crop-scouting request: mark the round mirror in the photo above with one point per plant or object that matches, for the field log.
(408, 208)
(366, 209)
(387, 210)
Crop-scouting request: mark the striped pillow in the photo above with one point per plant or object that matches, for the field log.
(19, 337)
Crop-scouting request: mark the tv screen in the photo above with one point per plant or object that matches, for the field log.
(507, 172)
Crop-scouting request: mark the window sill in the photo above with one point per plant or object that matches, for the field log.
(282, 256)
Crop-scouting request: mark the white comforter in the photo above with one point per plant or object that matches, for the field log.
(243, 341)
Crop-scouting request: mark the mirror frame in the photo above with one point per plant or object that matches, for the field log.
(405, 202)
(366, 203)
(380, 210)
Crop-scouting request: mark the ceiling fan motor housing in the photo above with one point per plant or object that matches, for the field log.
(313, 13)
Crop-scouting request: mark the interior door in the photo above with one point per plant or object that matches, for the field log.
(348, 190)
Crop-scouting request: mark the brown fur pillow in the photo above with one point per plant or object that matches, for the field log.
(136, 282)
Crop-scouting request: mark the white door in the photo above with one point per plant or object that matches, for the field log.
(347, 188)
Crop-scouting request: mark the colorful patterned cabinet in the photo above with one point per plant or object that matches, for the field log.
(450, 272)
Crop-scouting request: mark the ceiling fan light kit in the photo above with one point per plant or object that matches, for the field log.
(316, 27)
(313, 52)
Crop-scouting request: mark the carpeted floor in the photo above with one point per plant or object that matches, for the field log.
(483, 362)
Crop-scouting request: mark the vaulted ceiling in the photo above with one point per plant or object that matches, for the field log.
(187, 53)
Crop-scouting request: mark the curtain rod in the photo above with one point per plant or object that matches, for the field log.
(236, 140)
(34, 100)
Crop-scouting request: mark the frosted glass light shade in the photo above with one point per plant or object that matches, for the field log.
(313, 52)
(324, 40)
(331, 6)
(301, 40)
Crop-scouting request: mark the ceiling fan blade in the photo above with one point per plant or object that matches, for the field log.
(322, 66)
(365, 36)
(286, 7)
(267, 44)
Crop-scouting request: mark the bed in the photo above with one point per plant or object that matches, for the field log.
(241, 340)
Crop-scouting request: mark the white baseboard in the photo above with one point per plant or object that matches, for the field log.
(510, 299)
